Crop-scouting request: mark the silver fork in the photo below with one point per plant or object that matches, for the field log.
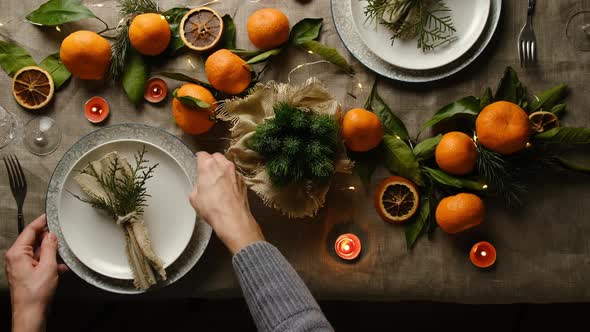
(18, 186)
(527, 43)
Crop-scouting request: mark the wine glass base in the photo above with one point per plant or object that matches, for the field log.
(42, 136)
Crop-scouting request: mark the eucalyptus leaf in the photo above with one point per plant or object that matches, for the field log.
(392, 124)
(574, 166)
(415, 227)
(564, 135)
(135, 76)
(511, 89)
(400, 159)
(486, 99)
(56, 68)
(558, 109)
(468, 106)
(306, 30)
(13, 58)
(228, 39)
(425, 149)
(263, 56)
(190, 101)
(183, 78)
(329, 54)
(174, 16)
(56, 12)
(451, 181)
(548, 98)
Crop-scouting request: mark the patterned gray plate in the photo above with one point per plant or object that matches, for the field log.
(155, 136)
(342, 16)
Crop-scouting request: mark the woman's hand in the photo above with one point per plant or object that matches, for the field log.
(32, 271)
(220, 197)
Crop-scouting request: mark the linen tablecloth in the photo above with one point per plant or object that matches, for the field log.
(543, 247)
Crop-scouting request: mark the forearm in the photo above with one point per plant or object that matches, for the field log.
(277, 297)
(32, 320)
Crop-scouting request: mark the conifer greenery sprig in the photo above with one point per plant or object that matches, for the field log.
(427, 20)
(128, 192)
(297, 145)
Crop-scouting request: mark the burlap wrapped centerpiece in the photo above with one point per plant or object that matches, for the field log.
(294, 200)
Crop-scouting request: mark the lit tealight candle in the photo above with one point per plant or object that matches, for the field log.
(96, 109)
(483, 254)
(348, 246)
(155, 90)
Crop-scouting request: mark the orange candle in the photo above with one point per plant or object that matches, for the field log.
(96, 109)
(155, 90)
(348, 246)
(483, 254)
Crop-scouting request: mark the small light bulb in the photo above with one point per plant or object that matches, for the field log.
(485, 186)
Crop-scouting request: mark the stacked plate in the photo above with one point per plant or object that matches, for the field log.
(91, 243)
(370, 42)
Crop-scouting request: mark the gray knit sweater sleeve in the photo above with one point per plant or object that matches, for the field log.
(277, 297)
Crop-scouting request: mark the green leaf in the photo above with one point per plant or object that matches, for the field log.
(392, 124)
(468, 105)
(400, 159)
(13, 58)
(415, 227)
(135, 75)
(329, 54)
(365, 164)
(573, 165)
(425, 149)
(451, 181)
(183, 78)
(174, 16)
(190, 101)
(263, 56)
(486, 99)
(558, 109)
(56, 12)
(244, 53)
(56, 68)
(228, 39)
(564, 135)
(511, 89)
(548, 98)
(307, 29)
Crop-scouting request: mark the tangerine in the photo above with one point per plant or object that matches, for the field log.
(457, 213)
(86, 55)
(456, 153)
(361, 130)
(227, 72)
(503, 127)
(191, 119)
(268, 28)
(150, 33)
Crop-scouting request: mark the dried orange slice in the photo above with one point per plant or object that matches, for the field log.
(542, 121)
(201, 29)
(32, 87)
(396, 199)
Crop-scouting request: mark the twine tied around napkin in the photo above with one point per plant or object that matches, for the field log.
(142, 259)
(294, 200)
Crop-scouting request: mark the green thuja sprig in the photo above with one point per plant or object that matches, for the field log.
(297, 145)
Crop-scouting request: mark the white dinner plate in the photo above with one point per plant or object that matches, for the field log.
(92, 245)
(469, 18)
(95, 238)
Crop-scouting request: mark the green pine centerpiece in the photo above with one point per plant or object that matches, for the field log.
(298, 145)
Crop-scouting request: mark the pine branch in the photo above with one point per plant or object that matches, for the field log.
(119, 51)
(134, 7)
(502, 176)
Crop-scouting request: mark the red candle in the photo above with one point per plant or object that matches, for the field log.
(348, 246)
(96, 109)
(483, 254)
(155, 90)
